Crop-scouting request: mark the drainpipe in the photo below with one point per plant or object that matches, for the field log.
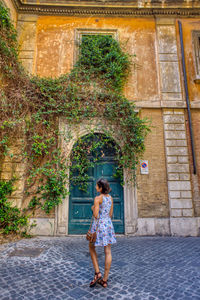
(187, 98)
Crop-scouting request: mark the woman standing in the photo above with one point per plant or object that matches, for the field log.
(103, 207)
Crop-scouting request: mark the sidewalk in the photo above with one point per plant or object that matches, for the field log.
(61, 268)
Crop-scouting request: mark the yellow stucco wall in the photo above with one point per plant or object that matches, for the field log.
(53, 45)
(56, 46)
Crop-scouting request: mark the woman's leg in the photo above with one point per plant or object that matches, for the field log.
(94, 258)
(108, 261)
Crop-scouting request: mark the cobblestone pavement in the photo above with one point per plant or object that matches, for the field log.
(61, 268)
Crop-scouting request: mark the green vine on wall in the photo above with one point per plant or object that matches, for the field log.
(89, 150)
(92, 90)
(12, 219)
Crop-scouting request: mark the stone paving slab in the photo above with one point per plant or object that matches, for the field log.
(149, 268)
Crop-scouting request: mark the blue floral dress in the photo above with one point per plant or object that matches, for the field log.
(105, 229)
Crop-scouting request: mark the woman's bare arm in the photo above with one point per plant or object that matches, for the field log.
(96, 207)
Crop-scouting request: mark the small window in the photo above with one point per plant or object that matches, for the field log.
(196, 45)
(80, 33)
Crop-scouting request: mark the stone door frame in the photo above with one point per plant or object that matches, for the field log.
(68, 135)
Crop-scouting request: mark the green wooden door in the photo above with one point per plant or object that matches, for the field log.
(80, 202)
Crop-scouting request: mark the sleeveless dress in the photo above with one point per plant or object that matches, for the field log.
(105, 230)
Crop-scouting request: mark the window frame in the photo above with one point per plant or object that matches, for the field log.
(79, 32)
(196, 53)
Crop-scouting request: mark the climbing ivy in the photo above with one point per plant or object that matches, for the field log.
(11, 218)
(93, 90)
(88, 151)
(101, 56)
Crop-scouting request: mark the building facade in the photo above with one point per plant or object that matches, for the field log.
(167, 198)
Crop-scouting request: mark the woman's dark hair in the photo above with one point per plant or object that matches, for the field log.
(103, 183)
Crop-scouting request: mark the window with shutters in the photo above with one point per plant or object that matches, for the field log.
(196, 45)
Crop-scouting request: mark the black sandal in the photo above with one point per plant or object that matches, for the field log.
(96, 279)
(104, 283)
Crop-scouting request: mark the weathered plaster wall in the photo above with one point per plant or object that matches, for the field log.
(56, 46)
(26, 27)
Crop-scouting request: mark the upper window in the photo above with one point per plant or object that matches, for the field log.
(80, 33)
(196, 44)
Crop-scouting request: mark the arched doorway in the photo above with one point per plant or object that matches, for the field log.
(80, 202)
